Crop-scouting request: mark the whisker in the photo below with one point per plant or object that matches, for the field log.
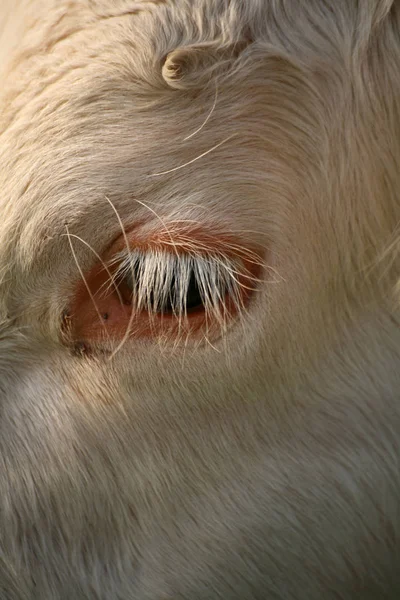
(72, 235)
(160, 220)
(190, 162)
(212, 346)
(84, 279)
(207, 118)
(131, 317)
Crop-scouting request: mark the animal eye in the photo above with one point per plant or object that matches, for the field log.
(159, 289)
(193, 295)
(178, 285)
(165, 295)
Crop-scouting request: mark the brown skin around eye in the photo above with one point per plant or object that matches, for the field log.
(102, 312)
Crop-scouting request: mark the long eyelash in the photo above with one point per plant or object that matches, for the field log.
(157, 272)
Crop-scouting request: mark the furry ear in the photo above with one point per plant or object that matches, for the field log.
(194, 66)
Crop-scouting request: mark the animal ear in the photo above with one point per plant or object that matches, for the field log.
(193, 66)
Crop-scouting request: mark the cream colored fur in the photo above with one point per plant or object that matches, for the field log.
(265, 465)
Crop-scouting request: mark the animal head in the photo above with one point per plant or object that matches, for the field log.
(199, 274)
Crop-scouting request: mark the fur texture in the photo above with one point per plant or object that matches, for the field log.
(264, 463)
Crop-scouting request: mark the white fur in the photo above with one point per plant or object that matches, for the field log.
(261, 465)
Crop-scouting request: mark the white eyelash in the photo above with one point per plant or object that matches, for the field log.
(154, 273)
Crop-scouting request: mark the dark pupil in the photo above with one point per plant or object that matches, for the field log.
(171, 304)
(193, 296)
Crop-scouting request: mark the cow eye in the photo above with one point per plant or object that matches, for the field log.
(166, 288)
